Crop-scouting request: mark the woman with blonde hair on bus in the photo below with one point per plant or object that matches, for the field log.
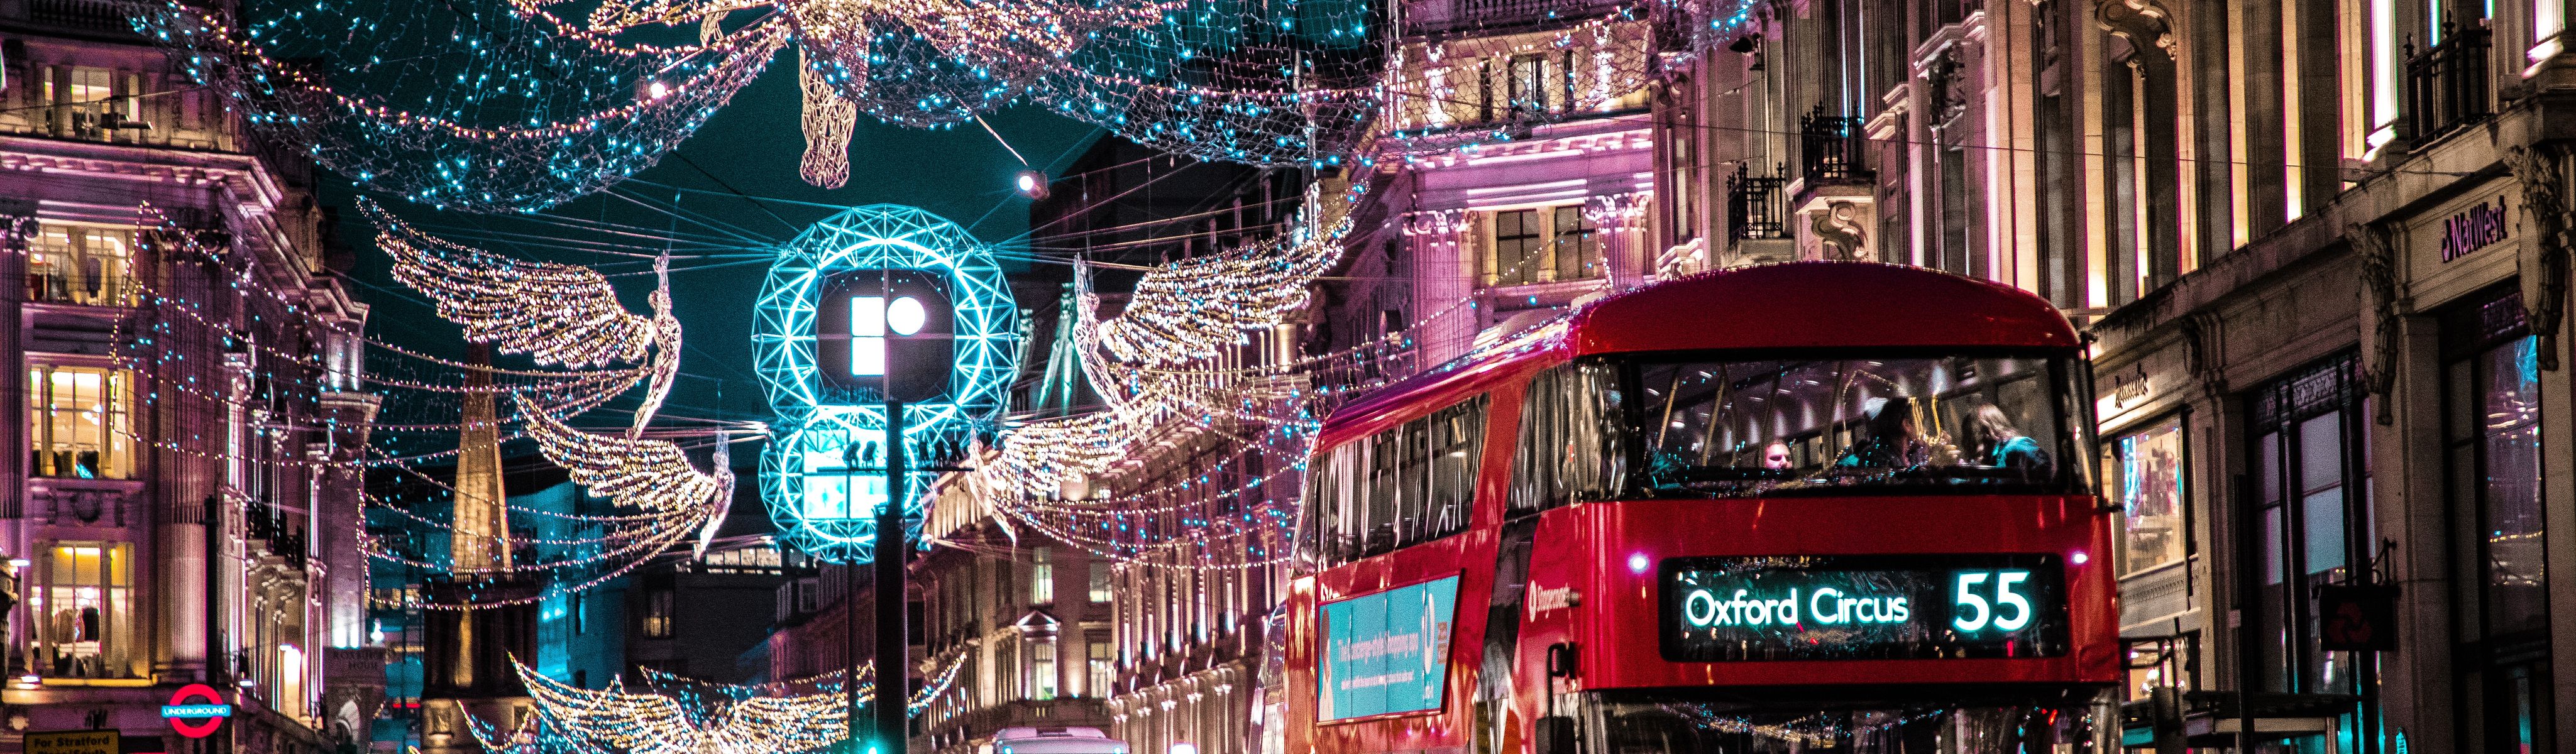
(2004, 446)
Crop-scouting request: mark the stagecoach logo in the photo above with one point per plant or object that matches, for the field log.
(1543, 600)
(2476, 228)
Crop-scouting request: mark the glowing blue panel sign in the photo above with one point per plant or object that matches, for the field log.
(1386, 653)
(1863, 607)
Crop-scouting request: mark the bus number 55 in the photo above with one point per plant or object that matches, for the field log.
(1966, 600)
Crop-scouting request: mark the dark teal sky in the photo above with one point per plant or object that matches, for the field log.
(751, 146)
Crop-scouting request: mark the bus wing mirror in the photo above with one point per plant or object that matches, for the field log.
(1554, 734)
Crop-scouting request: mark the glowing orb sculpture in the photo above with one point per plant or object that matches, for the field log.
(839, 304)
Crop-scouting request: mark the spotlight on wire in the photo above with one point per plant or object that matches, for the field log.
(1031, 184)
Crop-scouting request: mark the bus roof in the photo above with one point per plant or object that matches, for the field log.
(1788, 305)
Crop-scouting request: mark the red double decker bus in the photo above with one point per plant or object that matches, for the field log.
(1794, 507)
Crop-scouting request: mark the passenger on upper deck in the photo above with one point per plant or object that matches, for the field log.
(2003, 446)
(1892, 441)
(1775, 456)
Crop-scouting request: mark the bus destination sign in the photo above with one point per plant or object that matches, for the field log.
(1863, 607)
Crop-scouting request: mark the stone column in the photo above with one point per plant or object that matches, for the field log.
(1619, 222)
(17, 228)
(1446, 269)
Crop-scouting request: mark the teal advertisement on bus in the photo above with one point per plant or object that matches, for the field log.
(1386, 653)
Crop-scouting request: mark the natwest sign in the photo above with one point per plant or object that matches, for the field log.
(2474, 228)
(196, 710)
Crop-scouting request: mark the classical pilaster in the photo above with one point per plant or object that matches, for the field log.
(1619, 221)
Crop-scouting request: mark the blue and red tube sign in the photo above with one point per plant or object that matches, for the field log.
(196, 710)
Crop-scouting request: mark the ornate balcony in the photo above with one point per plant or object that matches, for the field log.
(2448, 85)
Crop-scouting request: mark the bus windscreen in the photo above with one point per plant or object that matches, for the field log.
(1855, 424)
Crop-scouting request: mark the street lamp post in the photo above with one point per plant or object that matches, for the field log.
(892, 675)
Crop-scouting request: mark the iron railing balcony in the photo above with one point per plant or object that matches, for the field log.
(2449, 85)
(1757, 205)
(1831, 148)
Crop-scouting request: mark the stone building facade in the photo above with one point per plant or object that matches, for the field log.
(183, 496)
(2322, 247)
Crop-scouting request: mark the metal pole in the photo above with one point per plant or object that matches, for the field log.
(850, 621)
(893, 676)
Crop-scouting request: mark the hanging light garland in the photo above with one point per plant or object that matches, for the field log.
(497, 106)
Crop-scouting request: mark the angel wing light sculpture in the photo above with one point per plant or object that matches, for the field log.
(557, 314)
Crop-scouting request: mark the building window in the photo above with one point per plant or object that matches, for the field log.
(84, 604)
(1103, 670)
(2163, 662)
(72, 264)
(580, 623)
(85, 104)
(1577, 249)
(2145, 472)
(1517, 248)
(2491, 409)
(1543, 245)
(1099, 587)
(658, 604)
(1042, 677)
(78, 421)
(289, 698)
(2310, 519)
(1041, 579)
(1529, 84)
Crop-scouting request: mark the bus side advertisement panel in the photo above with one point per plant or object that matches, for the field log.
(1386, 653)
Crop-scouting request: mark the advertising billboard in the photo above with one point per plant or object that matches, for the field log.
(1386, 653)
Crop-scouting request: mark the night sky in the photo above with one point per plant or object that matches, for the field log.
(751, 146)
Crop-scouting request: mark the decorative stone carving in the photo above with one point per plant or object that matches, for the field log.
(2541, 169)
(1840, 229)
(1435, 222)
(2376, 247)
(2145, 23)
(1615, 210)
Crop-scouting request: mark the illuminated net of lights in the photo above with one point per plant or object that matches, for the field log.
(471, 105)
(812, 511)
(497, 105)
(680, 715)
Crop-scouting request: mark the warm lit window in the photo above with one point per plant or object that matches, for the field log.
(71, 264)
(658, 604)
(289, 698)
(1042, 579)
(1529, 84)
(83, 608)
(1104, 669)
(77, 417)
(1042, 677)
(1099, 581)
(85, 103)
(2145, 471)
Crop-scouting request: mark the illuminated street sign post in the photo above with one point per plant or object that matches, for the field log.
(879, 332)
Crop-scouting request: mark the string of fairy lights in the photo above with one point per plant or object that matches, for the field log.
(671, 714)
(499, 106)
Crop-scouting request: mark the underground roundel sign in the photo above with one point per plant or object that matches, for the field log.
(196, 710)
